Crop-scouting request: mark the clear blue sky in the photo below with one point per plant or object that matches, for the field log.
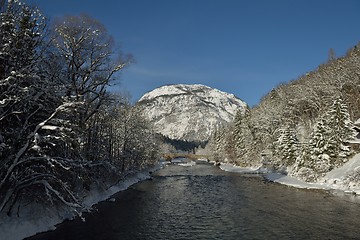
(242, 47)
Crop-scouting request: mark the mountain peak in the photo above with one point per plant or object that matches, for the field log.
(189, 112)
(173, 89)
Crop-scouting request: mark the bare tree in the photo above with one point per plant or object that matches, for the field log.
(87, 51)
(332, 55)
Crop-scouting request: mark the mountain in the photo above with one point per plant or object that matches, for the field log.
(189, 112)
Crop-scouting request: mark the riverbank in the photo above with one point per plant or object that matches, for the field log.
(204, 202)
(35, 218)
(343, 179)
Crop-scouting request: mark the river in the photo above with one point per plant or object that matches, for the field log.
(204, 202)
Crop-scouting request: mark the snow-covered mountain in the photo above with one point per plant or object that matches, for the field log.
(189, 112)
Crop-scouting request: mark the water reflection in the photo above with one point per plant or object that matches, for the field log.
(203, 202)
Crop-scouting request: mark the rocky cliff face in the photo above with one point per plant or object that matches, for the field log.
(189, 112)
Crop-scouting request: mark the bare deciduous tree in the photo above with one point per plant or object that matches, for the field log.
(89, 59)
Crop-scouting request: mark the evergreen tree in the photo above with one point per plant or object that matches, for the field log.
(236, 137)
(327, 145)
(217, 143)
(242, 137)
(313, 160)
(286, 147)
(28, 103)
(340, 127)
(237, 125)
(320, 148)
(241, 142)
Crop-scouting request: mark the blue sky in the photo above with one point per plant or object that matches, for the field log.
(242, 47)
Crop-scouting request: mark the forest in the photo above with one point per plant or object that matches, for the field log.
(61, 129)
(303, 128)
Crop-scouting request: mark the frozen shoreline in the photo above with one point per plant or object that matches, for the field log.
(37, 218)
(337, 179)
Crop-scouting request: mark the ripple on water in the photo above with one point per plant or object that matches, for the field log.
(203, 202)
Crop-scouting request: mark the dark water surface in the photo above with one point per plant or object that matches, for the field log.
(203, 202)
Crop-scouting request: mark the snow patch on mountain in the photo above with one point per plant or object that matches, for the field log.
(189, 112)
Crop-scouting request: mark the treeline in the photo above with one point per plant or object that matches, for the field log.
(60, 128)
(176, 145)
(303, 127)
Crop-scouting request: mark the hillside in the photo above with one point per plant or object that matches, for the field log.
(303, 127)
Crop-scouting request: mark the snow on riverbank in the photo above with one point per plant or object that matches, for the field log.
(343, 178)
(187, 164)
(36, 218)
(232, 168)
(292, 181)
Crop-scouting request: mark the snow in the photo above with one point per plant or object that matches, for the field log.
(357, 122)
(203, 160)
(271, 176)
(99, 195)
(187, 164)
(49, 127)
(178, 160)
(236, 169)
(184, 162)
(189, 112)
(337, 179)
(354, 141)
(292, 181)
(36, 218)
(162, 91)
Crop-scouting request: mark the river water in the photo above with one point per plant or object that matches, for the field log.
(204, 202)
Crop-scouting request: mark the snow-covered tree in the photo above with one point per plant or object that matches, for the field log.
(21, 34)
(120, 135)
(327, 145)
(27, 105)
(237, 125)
(286, 147)
(341, 129)
(89, 61)
(241, 143)
(59, 129)
(320, 148)
(303, 103)
(217, 143)
(231, 139)
(314, 158)
(330, 135)
(243, 138)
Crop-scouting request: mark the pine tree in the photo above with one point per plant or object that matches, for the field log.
(217, 143)
(338, 120)
(237, 125)
(313, 160)
(28, 103)
(242, 137)
(286, 147)
(326, 149)
(320, 148)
